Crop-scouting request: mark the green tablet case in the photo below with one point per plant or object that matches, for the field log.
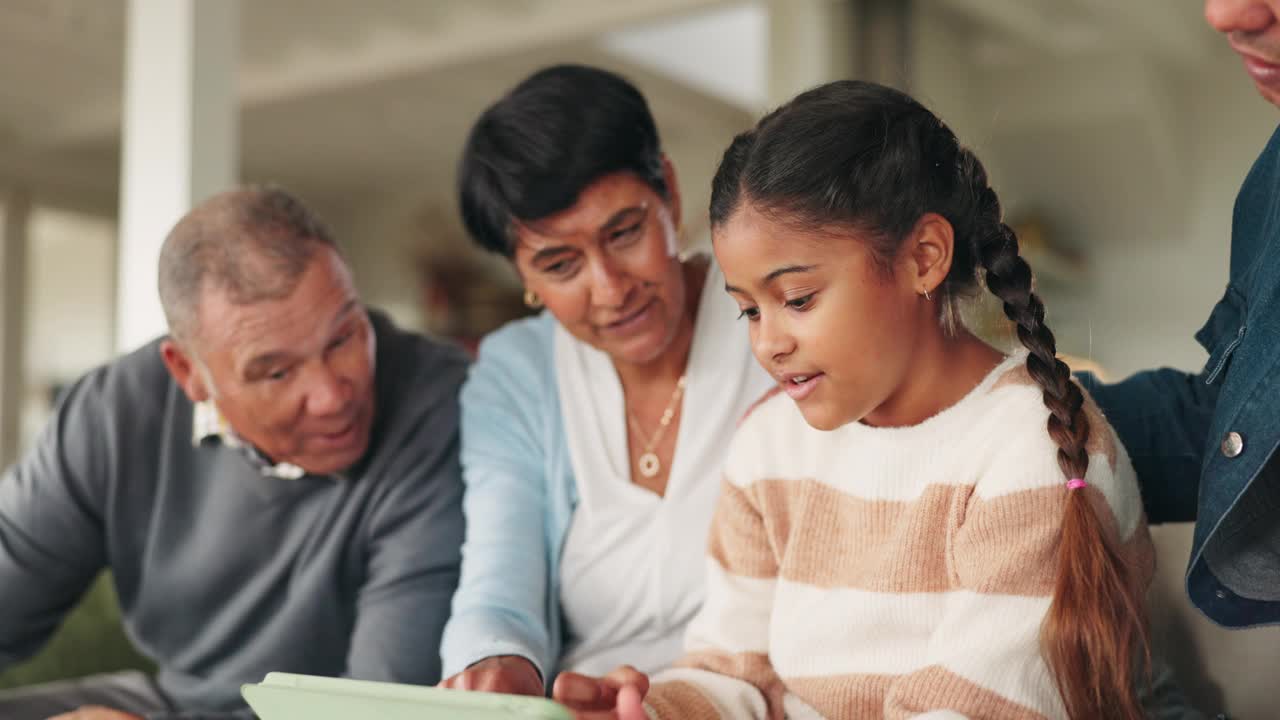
(286, 696)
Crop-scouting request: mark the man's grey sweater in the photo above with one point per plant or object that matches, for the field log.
(224, 574)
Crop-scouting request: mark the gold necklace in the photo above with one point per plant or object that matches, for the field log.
(649, 464)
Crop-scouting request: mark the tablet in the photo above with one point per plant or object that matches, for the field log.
(286, 696)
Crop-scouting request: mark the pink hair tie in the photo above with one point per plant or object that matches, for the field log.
(1076, 484)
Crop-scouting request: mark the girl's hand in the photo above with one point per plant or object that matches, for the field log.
(510, 674)
(616, 696)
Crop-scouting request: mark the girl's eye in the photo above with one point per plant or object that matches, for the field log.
(749, 313)
(800, 303)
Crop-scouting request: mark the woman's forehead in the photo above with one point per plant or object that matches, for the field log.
(595, 207)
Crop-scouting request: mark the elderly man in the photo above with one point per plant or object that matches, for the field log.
(275, 485)
(1205, 444)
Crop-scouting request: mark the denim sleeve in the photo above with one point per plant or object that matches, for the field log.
(51, 526)
(1162, 417)
(501, 604)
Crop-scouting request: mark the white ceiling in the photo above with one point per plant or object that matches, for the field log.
(339, 97)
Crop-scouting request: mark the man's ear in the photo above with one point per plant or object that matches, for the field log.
(184, 371)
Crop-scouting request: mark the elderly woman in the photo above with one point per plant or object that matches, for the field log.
(593, 433)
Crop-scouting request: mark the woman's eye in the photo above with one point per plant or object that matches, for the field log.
(340, 341)
(562, 268)
(749, 313)
(800, 303)
(625, 233)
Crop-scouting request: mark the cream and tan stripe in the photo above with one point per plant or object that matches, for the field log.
(753, 668)
(844, 697)
(739, 539)
(679, 700)
(861, 697)
(936, 687)
(736, 613)
(946, 540)
(730, 696)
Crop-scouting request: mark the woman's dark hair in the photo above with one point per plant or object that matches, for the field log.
(533, 152)
(872, 160)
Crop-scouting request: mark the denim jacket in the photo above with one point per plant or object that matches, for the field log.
(1198, 441)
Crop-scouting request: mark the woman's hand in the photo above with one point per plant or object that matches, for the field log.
(510, 674)
(616, 696)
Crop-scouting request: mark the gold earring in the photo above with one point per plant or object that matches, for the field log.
(531, 300)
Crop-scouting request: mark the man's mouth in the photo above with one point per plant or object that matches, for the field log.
(339, 436)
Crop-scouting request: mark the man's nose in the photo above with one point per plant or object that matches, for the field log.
(327, 392)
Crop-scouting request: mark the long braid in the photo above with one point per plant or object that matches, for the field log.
(1094, 638)
(1008, 276)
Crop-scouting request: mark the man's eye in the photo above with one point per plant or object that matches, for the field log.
(277, 375)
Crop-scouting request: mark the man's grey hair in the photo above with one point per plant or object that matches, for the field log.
(253, 244)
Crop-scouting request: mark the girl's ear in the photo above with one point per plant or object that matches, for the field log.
(929, 251)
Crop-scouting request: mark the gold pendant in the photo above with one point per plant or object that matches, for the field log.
(649, 465)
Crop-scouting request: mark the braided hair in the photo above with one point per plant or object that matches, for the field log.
(871, 159)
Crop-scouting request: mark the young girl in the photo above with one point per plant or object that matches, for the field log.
(918, 524)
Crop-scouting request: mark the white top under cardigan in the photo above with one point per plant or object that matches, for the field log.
(633, 567)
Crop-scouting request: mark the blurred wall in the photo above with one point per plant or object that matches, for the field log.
(71, 297)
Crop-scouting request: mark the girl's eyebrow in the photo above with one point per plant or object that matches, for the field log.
(787, 269)
(774, 275)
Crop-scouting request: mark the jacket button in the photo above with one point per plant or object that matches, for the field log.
(1221, 594)
(1232, 444)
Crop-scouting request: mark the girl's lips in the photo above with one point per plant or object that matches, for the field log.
(800, 389)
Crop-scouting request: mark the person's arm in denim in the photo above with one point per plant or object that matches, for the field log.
(1162, 417)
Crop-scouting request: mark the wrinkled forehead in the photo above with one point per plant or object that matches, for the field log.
(297, 316)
